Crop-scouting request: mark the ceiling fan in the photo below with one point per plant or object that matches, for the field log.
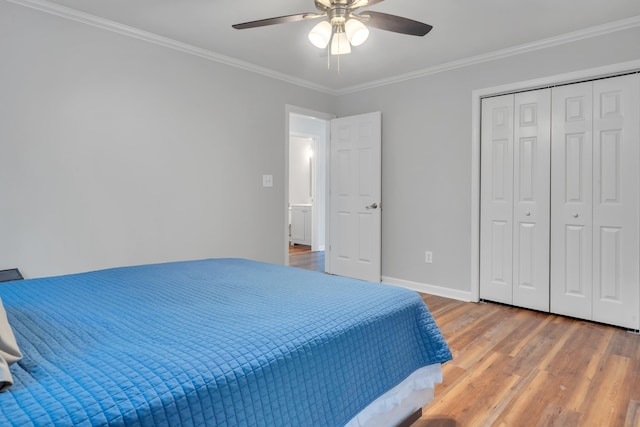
(342, 26)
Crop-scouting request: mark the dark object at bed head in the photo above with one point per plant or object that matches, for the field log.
(10, 275)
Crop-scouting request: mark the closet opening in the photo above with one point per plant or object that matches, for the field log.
(556, 196)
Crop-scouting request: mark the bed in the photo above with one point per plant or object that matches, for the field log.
(227, 342)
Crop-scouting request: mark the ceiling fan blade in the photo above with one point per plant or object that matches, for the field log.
(323, 5)
(277, 20)
(363, 3)
(394, 23)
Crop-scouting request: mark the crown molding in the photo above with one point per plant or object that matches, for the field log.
(599, 30)
(106, 24)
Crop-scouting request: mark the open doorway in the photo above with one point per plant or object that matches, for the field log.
(305, 225)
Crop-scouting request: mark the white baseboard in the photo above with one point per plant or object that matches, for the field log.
(430, 289)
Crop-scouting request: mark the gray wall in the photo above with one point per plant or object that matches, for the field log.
(426, 160)
(115, 151)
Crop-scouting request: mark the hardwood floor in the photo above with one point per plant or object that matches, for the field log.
(518, 368)
(515, 367)
(299, 249)
(302, 257)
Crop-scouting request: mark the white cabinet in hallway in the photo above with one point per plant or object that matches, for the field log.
(301, 224)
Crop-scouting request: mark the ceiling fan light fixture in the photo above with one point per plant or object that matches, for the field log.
(357, 32)
(342, 26)
(340, 44)
(320, 35)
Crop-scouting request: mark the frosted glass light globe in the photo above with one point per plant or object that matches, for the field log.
(320, 34)
(356, 32)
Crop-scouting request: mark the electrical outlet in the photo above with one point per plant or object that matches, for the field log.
(428, 257)
(267, 180)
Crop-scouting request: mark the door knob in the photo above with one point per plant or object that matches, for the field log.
(528, 214)
(372, 206)
(575, 215)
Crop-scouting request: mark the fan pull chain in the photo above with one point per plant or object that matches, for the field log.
(328, 57)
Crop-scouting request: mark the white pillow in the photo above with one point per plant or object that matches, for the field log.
(9, 351)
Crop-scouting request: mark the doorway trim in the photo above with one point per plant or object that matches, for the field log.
(293, 109)
(476, 101)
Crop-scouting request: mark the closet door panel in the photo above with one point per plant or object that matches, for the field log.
(496, 195)
(571, 200)
(531, 217)
(616, 161)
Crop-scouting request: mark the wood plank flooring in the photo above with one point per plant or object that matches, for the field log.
(302, 257)
(515, 367)
(518, 368)
(299, 249)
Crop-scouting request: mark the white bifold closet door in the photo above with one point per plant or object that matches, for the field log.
(595, 271)
(560, 205)
(514, 212)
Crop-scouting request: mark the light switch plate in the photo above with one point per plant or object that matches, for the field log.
(267, 180)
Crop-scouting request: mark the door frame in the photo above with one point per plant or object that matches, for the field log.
(293, 109)
(476, 102)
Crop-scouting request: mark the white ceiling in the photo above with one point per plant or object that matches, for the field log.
(462, 29)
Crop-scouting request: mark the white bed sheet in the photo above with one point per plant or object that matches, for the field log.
(391, 408)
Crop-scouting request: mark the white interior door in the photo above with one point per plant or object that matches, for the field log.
(515, 159)
(496, 200)
(355, 197)
(595, 214)
(560, 200)
(571, 200)
(616, 154)
(531, 199)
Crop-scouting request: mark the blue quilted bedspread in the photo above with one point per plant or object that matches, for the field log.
(225, 342)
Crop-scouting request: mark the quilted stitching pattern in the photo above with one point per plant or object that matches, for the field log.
(225, 342)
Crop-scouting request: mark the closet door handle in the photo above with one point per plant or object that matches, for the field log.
(575, 215)
(528, 214)
(372, 206)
